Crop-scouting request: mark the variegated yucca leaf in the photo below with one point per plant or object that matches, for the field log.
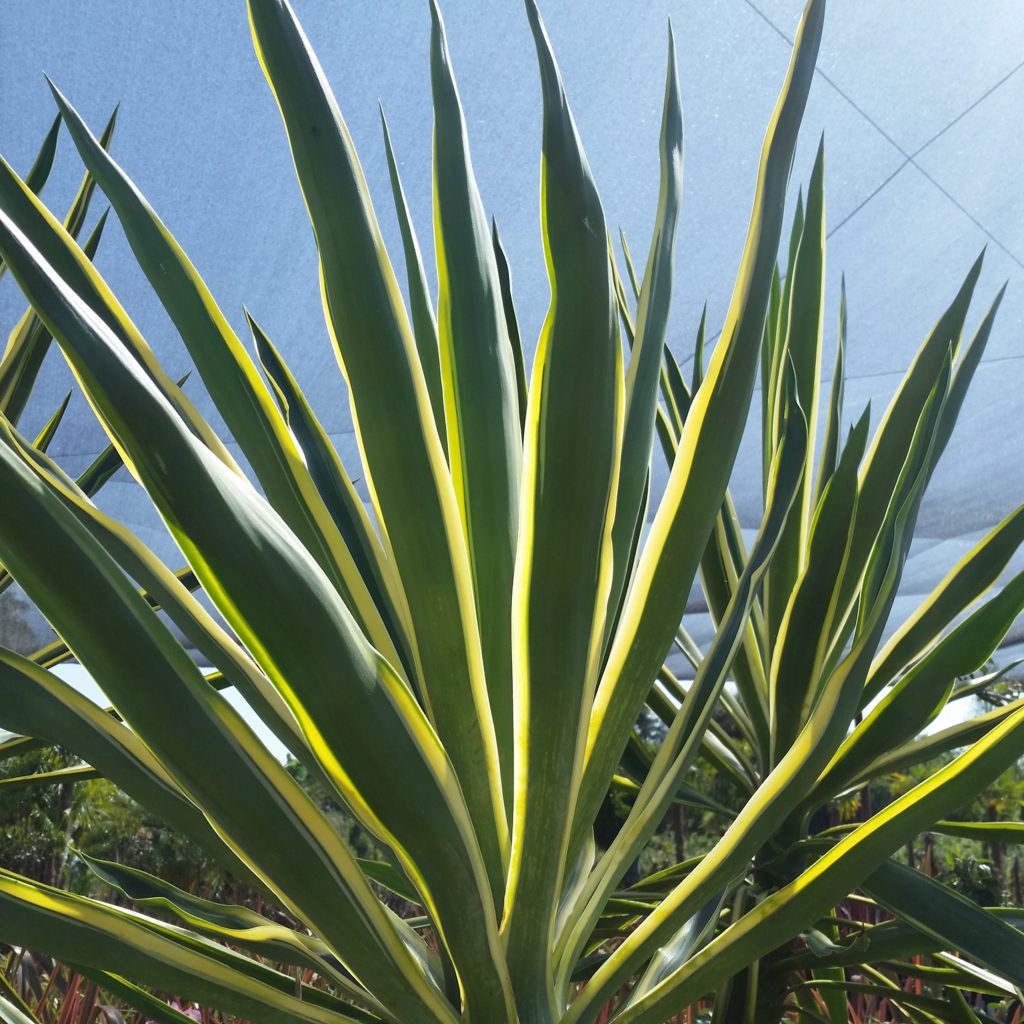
(463, 662)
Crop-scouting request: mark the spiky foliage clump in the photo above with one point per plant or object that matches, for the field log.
(465, 669)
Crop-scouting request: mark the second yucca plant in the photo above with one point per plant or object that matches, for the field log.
(465, 669)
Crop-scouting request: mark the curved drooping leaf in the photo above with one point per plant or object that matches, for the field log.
(38, 702)
(97, 935)
(237, 926)
(138, 998)
(165, 590)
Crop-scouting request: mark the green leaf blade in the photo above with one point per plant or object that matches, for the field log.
(563, 572)
(481, 394)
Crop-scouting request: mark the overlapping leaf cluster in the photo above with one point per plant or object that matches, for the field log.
(464, 665)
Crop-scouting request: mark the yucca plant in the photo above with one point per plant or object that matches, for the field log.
(465, 669)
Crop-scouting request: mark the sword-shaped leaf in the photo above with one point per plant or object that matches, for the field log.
(710, 439)
(801, 352)
(648, 348)
(340, 497)
(511, 320)
(237, 926)
(481, 394)
(402, 453)
(424, 322)
(231, 378)
(563, 570)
